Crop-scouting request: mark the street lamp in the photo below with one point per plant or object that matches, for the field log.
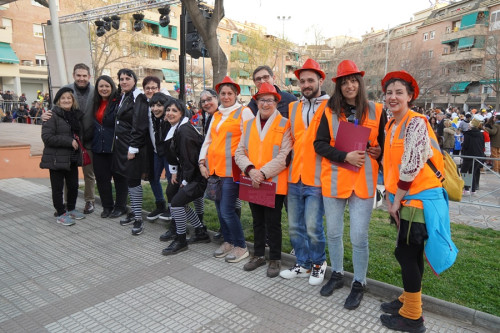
(283, 19)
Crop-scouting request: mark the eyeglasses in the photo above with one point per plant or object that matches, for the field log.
(266, 101)
(150, 88)
(262, 78)
(208, 100)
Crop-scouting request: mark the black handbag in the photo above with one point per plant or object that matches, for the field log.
(214, 188)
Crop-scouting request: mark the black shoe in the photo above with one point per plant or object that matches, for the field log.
(399, 323)
(106, 212)
(166, 216)
(178, 245)
(392, 307)
(117, 213)
(336, 282)
(129, 219)
(200, 236)
(160, 209)
(170, 234)
(138, 227)
(89, 207)
(355, 297)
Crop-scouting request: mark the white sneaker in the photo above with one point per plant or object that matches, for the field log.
(317, 274)
(295, 271)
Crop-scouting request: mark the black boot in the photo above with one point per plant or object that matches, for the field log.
(160, 209)
(200, 236)
(178, 245)
(399, 323)
(170, 234)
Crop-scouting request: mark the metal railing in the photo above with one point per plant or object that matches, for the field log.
(489, 196)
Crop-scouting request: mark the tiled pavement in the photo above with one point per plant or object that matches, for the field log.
(96, 277)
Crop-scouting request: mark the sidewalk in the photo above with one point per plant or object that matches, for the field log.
(95, 276)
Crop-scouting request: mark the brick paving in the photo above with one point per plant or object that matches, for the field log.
(96, 277)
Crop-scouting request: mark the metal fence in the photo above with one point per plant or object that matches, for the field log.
(10, 106)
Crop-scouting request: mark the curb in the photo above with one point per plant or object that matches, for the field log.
(387, 292)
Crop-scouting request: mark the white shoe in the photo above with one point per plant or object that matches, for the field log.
(317, 274)
(295, 271)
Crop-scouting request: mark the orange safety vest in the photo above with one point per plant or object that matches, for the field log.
(224, 143)
(393, 152)
(306, 164)
(338, 182)
(261, 152)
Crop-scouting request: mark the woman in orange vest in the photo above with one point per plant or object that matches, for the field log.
(340, 185)
(217, 159)
(415, 199)
(261, 154)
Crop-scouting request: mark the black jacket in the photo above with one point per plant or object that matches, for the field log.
(184, 148)
(131, 129)
(473, 144)
(160, 128)
(286, 98)
(58, 138)
(104, 133)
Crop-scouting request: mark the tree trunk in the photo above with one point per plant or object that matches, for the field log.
(207, 28)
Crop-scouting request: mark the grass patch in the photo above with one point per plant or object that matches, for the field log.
(472, 281)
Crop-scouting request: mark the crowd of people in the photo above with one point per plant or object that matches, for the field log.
(14, 108)
(474, 134)
(128, 135)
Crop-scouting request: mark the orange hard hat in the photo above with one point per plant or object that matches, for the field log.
(345, 68)
(310, 65)
(267, 89)
(228, 80)
(402, 75)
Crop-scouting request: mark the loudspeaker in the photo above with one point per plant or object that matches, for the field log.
(194, 43)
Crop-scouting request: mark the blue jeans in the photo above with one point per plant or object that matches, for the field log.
(160, 163)
(360, 211)
(305, 219)
(229, 222)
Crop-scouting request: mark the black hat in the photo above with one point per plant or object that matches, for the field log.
(62, 91)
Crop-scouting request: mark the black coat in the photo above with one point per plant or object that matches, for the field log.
(131, 130)
(104, 133)
(473, 144)
(58, 139)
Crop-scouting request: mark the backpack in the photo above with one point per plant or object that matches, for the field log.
(452, 180)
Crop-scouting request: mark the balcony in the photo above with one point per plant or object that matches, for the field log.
(6, 35)
(464, 54)
(157, 40)
(477, 30)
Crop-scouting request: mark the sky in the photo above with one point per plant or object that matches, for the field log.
(328, 17)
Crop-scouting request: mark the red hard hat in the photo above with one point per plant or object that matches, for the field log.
(311, 65)
(402, 75)
(267, 89)
(227, 79)
(345, 68)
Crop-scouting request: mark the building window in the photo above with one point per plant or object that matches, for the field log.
(37, 30)
(40, 60)
(429, 73)
(487, 90)
(188, 61)
(445, 50)
(403, 46)
(431, 53)
(195, 62)
(495, 20)
(432, 34)
(442, 91)
(424, 55)
(6, 23)
(408, 46)
(448, 30)
(426, 36)
(475, 68)
(106, 71)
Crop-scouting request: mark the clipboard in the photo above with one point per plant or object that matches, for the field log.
(265, 195)
(351, 137)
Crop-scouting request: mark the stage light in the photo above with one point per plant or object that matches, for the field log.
(100, 31)
(138, 24)
(164, 16)
(107, 23)
(115, 22)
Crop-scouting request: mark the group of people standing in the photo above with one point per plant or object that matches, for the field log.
(289, 143)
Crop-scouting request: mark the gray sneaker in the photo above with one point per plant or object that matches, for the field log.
(273, 270)
(254, 263)
(237, 254)
(223, 250)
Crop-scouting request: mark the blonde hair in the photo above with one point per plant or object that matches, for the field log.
(75, 102)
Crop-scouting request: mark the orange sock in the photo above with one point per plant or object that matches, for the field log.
(402, 297)
(412, 305)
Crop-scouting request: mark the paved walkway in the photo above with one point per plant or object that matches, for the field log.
(96, 277)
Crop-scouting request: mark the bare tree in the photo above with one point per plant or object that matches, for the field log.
(491, 74)
(207, 28)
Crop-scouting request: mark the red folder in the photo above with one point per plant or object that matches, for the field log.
(351, 137)
(265, 195)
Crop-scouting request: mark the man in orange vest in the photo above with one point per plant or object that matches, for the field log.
(305, 202)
